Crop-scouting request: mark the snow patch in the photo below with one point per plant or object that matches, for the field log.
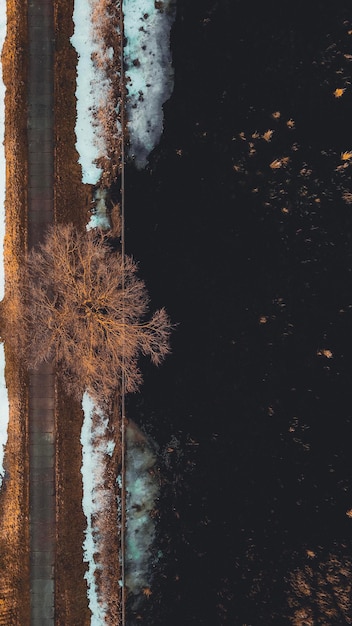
(99, 218)
(92, 91)
(149, 72)
(95, 448)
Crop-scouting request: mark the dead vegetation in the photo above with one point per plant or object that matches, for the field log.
(106, 527)
(106, 20)
(72, 199)
(320, 590)
(14, 495)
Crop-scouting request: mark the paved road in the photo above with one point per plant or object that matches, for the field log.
(41, 389)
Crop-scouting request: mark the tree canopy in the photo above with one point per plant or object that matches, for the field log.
(86, 310)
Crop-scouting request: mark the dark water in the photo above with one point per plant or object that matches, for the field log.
(254, 264)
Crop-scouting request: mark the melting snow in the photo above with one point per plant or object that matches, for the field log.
(149, 71)
(149, 77)
(95, 448)
(92, 89)
(99, 218)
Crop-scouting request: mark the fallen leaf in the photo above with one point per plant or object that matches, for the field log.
(268, 135)
(310, 554)
(147, 592)
(346, 156)
(339, 92)
(327, 353)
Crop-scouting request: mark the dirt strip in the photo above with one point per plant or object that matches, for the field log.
(41, 382)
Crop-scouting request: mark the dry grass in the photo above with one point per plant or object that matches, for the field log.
(71, 591)
(14, 497)
(72, 199)
(14, 504)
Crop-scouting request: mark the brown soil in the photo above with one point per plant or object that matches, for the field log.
(71, 204)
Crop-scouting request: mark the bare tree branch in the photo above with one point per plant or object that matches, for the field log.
(86, 310)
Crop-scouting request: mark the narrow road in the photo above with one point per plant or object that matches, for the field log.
(41, 382)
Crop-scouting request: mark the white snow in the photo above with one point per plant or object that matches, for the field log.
(3, 26)
(92, 89)
(96, 446)
(99, 218)
(142, 491)
(4, 411)
(149, 78)
(149, 71)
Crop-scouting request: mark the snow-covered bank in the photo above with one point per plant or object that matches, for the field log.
(91, 88)
(148, 77)
(142, 490)
(92, 91)
(3, 27)
(4, 411)
(96, 447)
(149, 72)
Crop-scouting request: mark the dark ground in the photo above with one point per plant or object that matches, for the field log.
(254, 264)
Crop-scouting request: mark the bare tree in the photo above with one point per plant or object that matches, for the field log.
(86, 310)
